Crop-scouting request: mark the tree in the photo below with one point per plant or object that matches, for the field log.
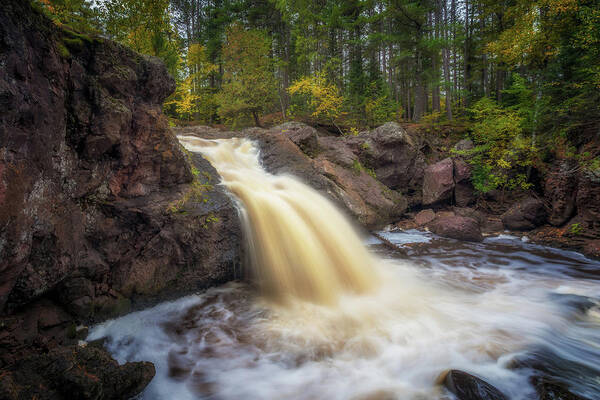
(321, 98)
(249, 85)
(194, 97)
(145, 26)
(76, 14)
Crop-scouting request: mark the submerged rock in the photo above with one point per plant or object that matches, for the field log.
(551, 390)
(469, 387)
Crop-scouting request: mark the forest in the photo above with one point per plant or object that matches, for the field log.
(522, 76)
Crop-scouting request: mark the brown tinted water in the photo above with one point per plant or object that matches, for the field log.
(331, 317)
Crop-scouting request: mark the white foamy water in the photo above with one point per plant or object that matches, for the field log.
(475, 307)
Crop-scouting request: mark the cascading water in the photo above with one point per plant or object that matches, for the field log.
(299, 244)
(333, 321)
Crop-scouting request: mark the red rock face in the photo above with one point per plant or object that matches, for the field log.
(525, 215)
(588, 199)
(457, 227)
(464, 194)
(560, 188)
(438, 184)
(88, 171)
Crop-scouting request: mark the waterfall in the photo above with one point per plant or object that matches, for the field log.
(298, 243)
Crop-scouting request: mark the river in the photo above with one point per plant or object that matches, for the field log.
(328, 314)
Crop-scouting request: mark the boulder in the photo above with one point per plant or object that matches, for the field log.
(366, 198)
(457, 227)
(492, 225)
(74, 372)
(469, 387)
(525, 215)
(336, 171)
(337, 150)
(560, 188)
(438, 182)
(548, 389)
(464, 193)
(592, 249)
(464, 145)
(394, 155)
(424, 217)
(304, 136)
(588, 195)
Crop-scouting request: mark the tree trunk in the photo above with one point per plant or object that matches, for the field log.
(446, 66)
(256, 120)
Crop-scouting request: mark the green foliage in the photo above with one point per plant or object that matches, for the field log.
(78, 15)
(576, 229)
(145, 26)
(316, 96)
(358, 168)
(249, 85)
(501, 154)
(194, 98)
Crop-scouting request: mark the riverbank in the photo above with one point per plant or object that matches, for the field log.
(408, 176)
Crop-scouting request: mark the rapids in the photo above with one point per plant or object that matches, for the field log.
(329, 315)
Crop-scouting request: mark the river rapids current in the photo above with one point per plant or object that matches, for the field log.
(326, 314)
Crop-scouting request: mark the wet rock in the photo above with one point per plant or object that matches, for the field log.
(370, 201)
(469, 387)
(304, 136)
(457, 227)
(438, 182)
(336, 172)
(548, 389)
(592, 249)
(477, 215)
(492, 225)
(560, 188)
(424, 217)
(75, 373)
(525, 215)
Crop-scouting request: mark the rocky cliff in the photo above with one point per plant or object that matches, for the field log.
(345, 169)
(100, 208)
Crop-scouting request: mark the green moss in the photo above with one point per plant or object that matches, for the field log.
(62, 50)
(575, 229)
(71, 34)
(357, 167)
(73, 43)
(210, 219)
